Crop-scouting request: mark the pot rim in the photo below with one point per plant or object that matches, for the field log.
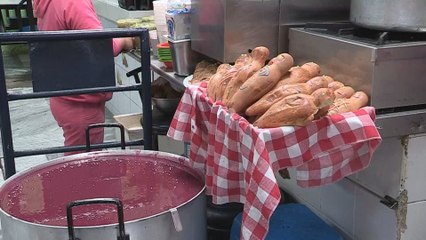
(66, 159)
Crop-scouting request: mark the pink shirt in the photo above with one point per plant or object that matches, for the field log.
(71, 15)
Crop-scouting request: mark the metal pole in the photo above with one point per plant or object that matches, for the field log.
(146, 85)
(5, 125)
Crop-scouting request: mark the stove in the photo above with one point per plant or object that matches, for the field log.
(388, 66)
(387, 199)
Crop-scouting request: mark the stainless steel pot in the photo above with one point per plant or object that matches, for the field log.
(390, 15)
(34, 202)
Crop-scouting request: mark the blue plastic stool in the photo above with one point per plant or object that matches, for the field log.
(292, 221)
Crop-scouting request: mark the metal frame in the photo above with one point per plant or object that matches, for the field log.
(5, 122)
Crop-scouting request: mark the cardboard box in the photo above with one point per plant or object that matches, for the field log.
(133, 131)
(132, 127)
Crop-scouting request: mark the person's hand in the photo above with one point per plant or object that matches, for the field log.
(128, 43)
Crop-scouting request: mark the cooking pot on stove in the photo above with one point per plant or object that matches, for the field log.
(389, 15)
(152, 195)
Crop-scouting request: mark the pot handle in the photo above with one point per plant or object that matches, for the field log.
(104, 125)
(176, 219)
(121, 231)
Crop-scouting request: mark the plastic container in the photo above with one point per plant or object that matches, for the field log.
(178, 24)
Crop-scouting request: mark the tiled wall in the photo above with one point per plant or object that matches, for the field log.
(129, 101)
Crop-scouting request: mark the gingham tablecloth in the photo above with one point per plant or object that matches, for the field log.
(240, 160)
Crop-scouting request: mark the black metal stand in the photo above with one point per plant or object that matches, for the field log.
(5, 122)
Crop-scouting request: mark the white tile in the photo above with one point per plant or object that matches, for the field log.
(312, 196)
(137, 102)
(372, 219)
(416, 166)
(166, 144)
(416, 218)
(383, 176)
(110, 106)
(337, 203)
(121, 102)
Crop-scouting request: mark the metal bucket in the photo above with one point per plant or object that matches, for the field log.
(161, 198)
(390, 15)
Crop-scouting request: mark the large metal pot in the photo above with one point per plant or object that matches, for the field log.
(390, 15)
(161, 197)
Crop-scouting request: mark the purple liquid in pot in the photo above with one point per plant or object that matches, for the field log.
(145, 185)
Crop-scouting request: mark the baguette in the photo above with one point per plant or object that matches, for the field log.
(259, 56)
(286, 86)
(264, 103)
(335, 85)
(243, 60)
(295, 75)
(355, 102)
(300, 74)
(344, 92)
(215, 79)
(223, 83)
(323, 98)
(294, 110)
(313, 69)
(283, 90)
(319, 82)
(260, 83)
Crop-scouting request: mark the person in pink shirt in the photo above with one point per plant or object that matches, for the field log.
(75, 113)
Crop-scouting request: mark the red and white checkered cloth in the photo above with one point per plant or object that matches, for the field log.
(240, 160)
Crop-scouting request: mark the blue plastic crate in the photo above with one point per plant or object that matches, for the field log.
(292, 222)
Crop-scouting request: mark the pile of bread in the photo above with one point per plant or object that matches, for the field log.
(280, 94)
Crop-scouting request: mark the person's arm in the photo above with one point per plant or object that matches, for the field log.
(82, 15)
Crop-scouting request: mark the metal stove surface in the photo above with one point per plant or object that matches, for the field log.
(388, 66)
(351, 32)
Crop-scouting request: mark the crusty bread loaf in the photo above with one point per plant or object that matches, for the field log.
(323, 98)
(355, 102)
(260, 83)
(294, 110)
(313, 69)
(283, 90)
(235, 82)
(259, 56)
(286, 86)
(295, 75)
(319, 82)
(243, 60)
(344, 92)
(215, 80)
(265, 102)
(223, 83)
(335, 85)
(301, 74)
